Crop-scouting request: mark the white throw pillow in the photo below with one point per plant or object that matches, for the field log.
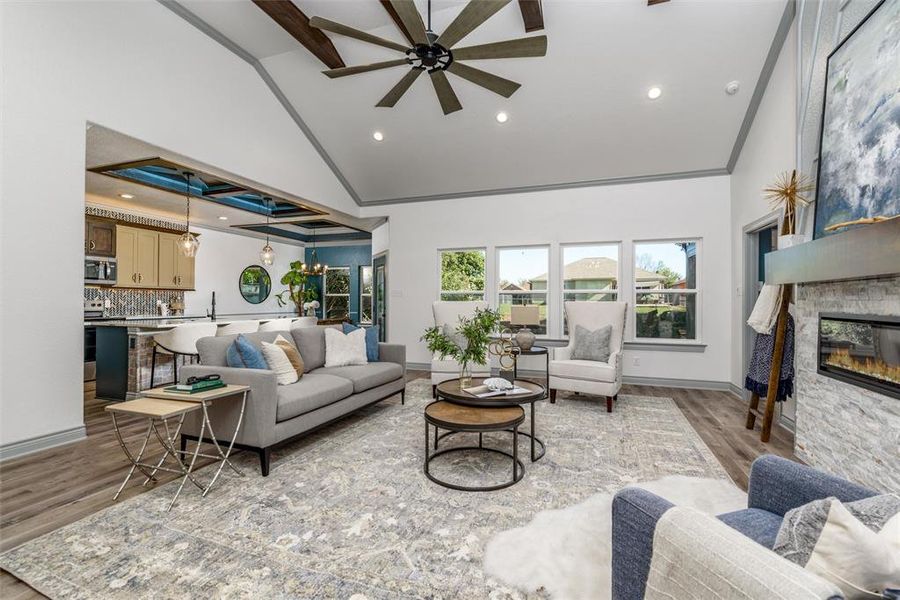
(342, 350)
(278, 361)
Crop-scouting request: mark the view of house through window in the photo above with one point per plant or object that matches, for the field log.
(365, 294)
(665, 283)
(522, 281)
(462, 274)
(590, 274)
(337, 292)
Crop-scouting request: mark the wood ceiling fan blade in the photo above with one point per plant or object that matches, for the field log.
(518, 48)
(652, 2)
(495, 83)
(344, 71)
(474, 14)
(446, 95)
(327, 25)
(411, 18)
(390, 99)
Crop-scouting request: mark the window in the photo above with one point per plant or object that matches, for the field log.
(462, 274)
(522, 281)
(365, 295)
(590, 274)
(665, 288)
(337, 293)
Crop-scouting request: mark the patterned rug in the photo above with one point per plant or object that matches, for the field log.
(348, 513)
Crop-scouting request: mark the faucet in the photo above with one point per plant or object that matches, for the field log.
(212, 315)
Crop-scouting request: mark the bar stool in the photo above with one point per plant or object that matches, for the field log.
(180, 340)
(276, 325)
(236, 327)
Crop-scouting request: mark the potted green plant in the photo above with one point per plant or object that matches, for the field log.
(467, 344)
(297, 292)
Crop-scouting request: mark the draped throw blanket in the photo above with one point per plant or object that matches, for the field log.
(765, 311)
(757, 379)
(697, 557)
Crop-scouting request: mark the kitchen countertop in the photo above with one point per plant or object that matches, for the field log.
(157, 323)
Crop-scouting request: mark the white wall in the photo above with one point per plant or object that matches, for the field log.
(137, 68)
(381, 237)
(770, 149)
(694, 208)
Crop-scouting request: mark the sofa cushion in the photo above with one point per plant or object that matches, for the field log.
(371, 340)
(589, 370)
(759, 525)
(365, 377)
(313, 391)
(213, 349)
(310, 341)
(244, 355)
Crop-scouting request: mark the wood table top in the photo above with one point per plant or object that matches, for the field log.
(153, 407)
(222, 392)
(452, 416)
(449, 390)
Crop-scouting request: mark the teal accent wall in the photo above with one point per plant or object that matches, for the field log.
(343, 256)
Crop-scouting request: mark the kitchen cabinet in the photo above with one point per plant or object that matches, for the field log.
(99, 236)
(137, 254)
(175, 269)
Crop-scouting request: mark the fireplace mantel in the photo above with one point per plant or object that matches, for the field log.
(860, 253)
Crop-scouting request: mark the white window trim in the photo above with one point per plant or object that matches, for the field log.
(441, 292)
(326, 295)
(552, 282)
(363, 294)
(697, 292)
(561, 312)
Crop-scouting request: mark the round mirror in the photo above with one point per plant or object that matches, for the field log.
(255, 284)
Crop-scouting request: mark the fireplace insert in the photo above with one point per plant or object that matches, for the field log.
(863, 350)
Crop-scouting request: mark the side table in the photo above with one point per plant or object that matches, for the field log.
(534, 351)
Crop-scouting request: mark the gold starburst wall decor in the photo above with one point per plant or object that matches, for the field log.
(789, 190)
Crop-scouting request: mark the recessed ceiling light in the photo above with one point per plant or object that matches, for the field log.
(223, 218)
(502, 117)
(126, 196)
(378, 136)
(732, 88)
(654, 93)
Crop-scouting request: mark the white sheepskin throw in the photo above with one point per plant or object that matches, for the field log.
(567, 552)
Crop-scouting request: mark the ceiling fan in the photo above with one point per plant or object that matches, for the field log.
(436, 53)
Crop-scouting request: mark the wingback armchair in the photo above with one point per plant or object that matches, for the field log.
(448, 313)
(589, 376)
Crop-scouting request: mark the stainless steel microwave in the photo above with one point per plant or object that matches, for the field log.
(99, 270)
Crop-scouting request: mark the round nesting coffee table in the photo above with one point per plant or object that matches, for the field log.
(449, 390)
(456, 418)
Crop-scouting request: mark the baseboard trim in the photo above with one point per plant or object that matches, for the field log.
(42, 442)
(736, 390)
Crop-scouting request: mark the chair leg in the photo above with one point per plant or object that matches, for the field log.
(552, 396)
(434, 391)
(265, 457)
(616, 398)
(153, 366)
(609, 402)
(403, 396)
(175, 367)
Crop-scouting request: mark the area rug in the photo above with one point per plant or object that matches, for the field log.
(348, 513)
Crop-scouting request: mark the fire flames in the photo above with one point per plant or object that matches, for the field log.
(875, 368)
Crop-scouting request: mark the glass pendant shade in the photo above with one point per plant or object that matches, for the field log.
(189, 244)
(267, 255)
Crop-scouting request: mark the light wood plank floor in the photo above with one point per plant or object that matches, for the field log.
(46, 490)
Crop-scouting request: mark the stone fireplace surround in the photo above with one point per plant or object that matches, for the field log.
(842, 428)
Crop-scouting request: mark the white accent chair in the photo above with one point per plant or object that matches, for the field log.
(236, 327)
(589, 376)
(276, 325)
(449, 312)
(181, 340)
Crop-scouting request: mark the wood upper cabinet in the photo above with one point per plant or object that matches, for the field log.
(137, 254)
(126, 256)
(99, 236)
(175, 269)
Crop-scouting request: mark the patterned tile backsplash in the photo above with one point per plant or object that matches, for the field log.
(129, 303)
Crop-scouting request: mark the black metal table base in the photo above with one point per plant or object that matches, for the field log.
(518, 466)
(536, 441)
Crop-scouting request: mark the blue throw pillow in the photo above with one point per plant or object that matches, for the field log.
(371, 340)
(244, 355)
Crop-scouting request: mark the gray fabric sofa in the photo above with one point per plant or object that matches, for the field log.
(278, 414)
(777, 485)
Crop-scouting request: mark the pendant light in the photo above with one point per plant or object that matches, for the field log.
(188, 242)
(267, 255)
(314, 267)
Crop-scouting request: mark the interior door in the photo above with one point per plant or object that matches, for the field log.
(379, 296)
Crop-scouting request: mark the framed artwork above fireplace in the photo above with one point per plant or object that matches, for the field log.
(859, 149)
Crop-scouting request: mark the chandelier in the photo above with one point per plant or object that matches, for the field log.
(313, 267)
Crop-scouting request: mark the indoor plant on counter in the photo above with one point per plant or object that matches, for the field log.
(467, 344)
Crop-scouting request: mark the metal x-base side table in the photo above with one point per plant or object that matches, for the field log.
(159, 406)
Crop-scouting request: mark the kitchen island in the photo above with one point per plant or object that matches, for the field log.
(125, 350)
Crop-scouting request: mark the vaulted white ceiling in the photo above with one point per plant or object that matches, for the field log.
(582, 113)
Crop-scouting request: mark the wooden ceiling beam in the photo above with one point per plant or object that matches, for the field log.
(532, 15)
(397, 20)
(292, 20)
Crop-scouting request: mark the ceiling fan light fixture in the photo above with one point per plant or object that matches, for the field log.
(654, 92)
(502, 117)
(378, 136)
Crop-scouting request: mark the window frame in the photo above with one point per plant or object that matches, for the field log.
(326, 295)
(697, 292)
(550, 301)
(441, 292)
(561, 312)
(363, 294)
